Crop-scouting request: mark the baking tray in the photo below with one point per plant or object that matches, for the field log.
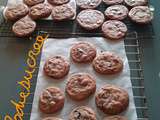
(133, 47)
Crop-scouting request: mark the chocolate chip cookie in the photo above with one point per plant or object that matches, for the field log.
(51, 100)
(56, 67)
(62, 12)
(108, 63)
(141, 14)
(116, 12)
(80, 86)
(83, 52)
(15, 12)
(88, 4)
(24, 27)
(82, 113)
(115, 117)
(32, 2)
(114, 29)
(112, 2)
(58, 2)
(90, 19)
(39, 11)
(51, 118)
(112, 100)
(133, 3)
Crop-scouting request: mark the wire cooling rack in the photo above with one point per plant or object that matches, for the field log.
(134, 54)
(71, 29)
(67, 29)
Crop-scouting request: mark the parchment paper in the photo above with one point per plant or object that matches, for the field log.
(62, 47)
(72, 3)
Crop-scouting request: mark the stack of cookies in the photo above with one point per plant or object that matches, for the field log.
(25, 14)
(109, 99)
(116, 11)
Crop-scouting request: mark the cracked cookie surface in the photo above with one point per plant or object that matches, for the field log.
(82, 113)
(112, 100)
(83, 52)
(51, 100)
(24, 27)
(114, 29)
(80, 86)
(56, 67)
(141, 14)
(90, 19)
(16, 12)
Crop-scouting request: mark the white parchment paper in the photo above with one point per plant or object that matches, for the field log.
(72, 3)
(62, 47)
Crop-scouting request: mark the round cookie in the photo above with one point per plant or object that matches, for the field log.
(133, 3)
(51, 100)
(33, 2)
(80, 86)
(62, 12)
(88, 4)
(51, 118)
(56, 67)
(83, 52)
(108, 63)
(112, 2)
(115, 117)
(90, 19)
(24, 27)
(39, 11)
(112, 100)
(116, 12)
(82, 113)
(16, 12)
(141, 14)
(58, 2)
(114, 29)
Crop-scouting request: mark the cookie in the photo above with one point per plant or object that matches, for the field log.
(108, 63)
(133, 3)
(80, 86)
(112, 100)
(51, 100)
(24, 27)
(16, 12)
(115, 117)
(39, 11)
(51, 118)
(58, 2)
(116, 12)
(141, 14)
(56, 67)
(90, 19)
(83, 52)
(33, 2)
(114, 29)
(82, 113)
(112, 2)
(62, 12)
(88, 4)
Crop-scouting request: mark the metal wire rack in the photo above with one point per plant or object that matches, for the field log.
(134, 54)
(67, 29)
